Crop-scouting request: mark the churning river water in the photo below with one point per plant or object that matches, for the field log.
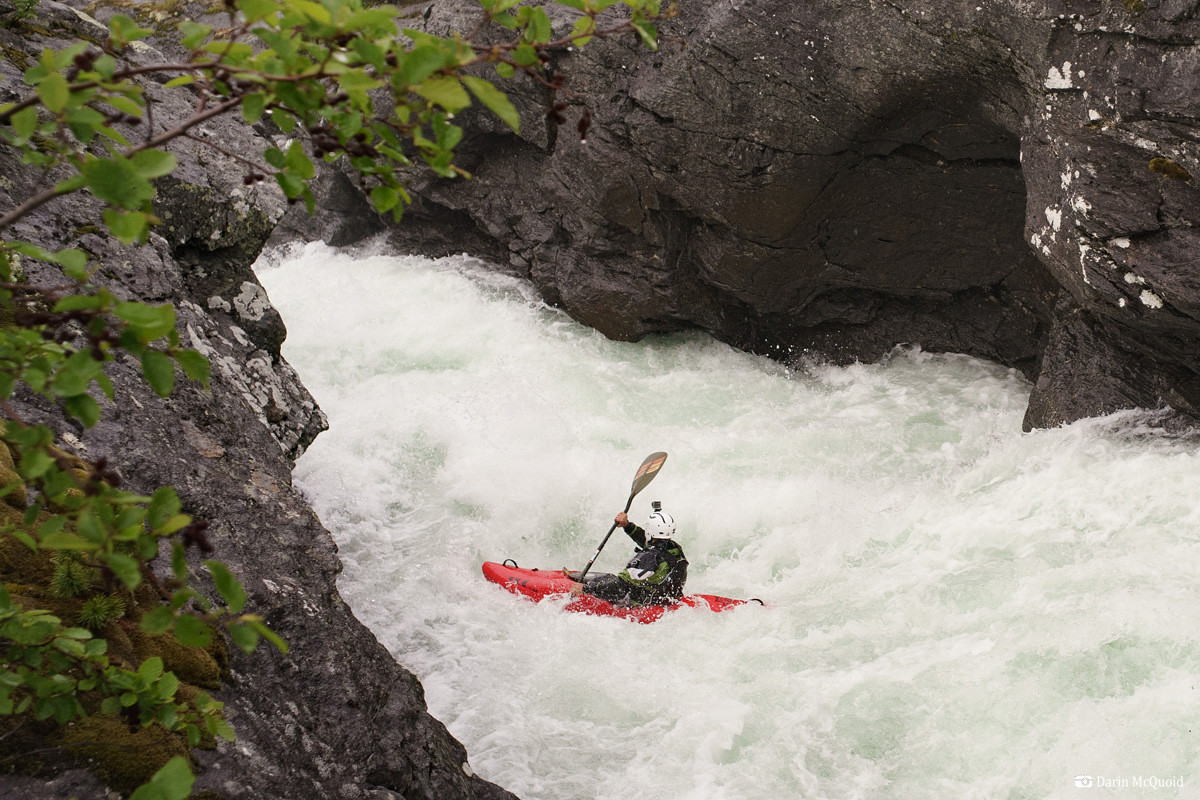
(955, 609)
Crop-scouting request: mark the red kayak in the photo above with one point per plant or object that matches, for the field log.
(539, 584)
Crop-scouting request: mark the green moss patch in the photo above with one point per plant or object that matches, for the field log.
(1165, 166)
(121, 756)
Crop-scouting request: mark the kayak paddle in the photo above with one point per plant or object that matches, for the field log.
(645, 474)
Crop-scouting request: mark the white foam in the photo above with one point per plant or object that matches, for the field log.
(959, 609)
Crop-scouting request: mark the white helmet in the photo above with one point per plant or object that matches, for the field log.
(660, 525)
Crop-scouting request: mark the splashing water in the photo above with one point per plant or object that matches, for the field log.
(956, 609)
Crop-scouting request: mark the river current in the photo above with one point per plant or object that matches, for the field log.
(955, 609)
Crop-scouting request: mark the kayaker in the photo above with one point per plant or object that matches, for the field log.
(656, 573)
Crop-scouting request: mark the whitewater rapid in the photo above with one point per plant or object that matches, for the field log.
(956, 609)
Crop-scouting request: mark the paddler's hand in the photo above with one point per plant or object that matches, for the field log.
(621, 519)
(577, 589)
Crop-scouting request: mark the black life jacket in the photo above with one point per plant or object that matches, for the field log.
(656, 574)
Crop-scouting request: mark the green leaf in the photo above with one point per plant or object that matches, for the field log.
(244, 637)
(105, 385)
(31, 250)
(127, 226)
(88, 525)
(25, 122)
(34, 463)
(448, 136)
(505, 70)
(298, 162)
(176, 523)
(255, 622)
(116, 181)
(194, 33)
(419, 63)
(181, 598)
(292, 186)
(357, 80)
(257, 9)
(153, 163)
(65, 540)
(167, 716)
(167, 686)
(124, 104)
(158, 621)
(253, 106)
(525, 55)
(105, 66)
(384, 198)
(538, 28)
(648, 32)
(159, 372)
(219, 727)
(172, 782)
(24, 538)
(192, 632)
(370, 52)
(582, 32)
(163, 505)
(123, 30)
(179, 561)
(445, 92)
(71, 184)
(75, 374)
(126, 568)
(284, 120)
(83, 408)
(194, 365)
(311, 10)
(182, 80)
(54, 92)
(230, 588)
(151, 669)
(149, 322)
(70, 647)
(75, 260)
(495, 100)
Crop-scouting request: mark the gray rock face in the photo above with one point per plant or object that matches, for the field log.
(336, 717)
(838, 178)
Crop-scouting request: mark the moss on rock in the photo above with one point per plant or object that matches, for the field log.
(1165, 166)
(192, 665)
(121, 756)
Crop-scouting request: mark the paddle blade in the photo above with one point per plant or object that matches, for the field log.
(647, 471)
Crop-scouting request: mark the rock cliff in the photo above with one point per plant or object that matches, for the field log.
(336, 717)
(1005, 178)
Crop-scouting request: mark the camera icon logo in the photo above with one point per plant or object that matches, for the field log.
(1083, 781)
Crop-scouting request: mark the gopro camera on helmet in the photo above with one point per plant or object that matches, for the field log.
(656, 505)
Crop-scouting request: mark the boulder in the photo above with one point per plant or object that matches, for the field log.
(834, 179)
(337, 716)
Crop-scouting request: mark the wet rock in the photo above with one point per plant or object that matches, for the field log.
(836, 179)
(336, 717)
